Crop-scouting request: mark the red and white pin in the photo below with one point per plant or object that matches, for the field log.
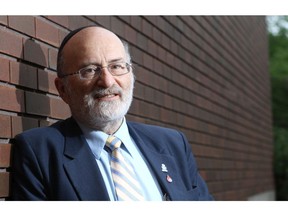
(169, 179)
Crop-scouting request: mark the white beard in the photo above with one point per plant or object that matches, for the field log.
(100, 114)
(107, 111)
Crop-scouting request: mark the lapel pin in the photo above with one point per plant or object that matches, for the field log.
(169, 179)
(164, 168)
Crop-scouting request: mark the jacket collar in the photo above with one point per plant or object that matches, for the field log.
(80, 165)
(160, 161)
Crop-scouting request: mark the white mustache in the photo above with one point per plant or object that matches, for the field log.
(114, 89)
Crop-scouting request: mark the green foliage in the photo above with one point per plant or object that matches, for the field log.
(278, 45)
(278, 68)
(281, 162)
(280, 100)
(278, 56)
(281, 137)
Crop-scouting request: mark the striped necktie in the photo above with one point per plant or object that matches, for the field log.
(126, 184)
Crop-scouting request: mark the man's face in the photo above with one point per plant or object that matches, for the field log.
(101, 99)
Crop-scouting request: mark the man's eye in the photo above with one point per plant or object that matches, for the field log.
(116, 66)
(93, 70)
(88, 72)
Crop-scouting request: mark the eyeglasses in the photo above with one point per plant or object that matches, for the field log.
(92, 71)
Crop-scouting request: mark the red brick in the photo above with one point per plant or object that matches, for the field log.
(77, 22)
(61, 20)
(157, 35)
(53, 59)
(144, 75)
(47, 32)
(152, 47)
(5, 126)
(25, 24)
(37, 104)
(137, 55)
(117, 26)
(142, 41)
(3, 20)
(136, 22)
(104, 21)
(62, 34)
(5, 152)
(134, 107)
(10, 43)
(24, 75)
(4, 69)
(161, 53)
(147, 28)
(46, 81)
(130, 35)
(20, 124)
(126, 19)
(4, 184)
(158, 67)
(139, 91)
(11, 99)
(148, 61)
(35, 53)
(59, 109)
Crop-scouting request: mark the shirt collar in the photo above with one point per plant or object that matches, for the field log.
(96, 139)
(122, 133)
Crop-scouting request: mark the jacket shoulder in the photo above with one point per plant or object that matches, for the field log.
(46, 131)
(52, 134)
(150, 128)
(156, 133)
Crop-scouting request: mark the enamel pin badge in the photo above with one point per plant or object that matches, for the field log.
(164, 169)
(169, 179)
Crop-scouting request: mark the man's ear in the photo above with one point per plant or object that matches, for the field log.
(61, 87)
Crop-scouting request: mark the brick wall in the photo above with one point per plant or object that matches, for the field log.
(206, 76)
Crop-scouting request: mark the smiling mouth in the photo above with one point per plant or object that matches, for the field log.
(106, 96)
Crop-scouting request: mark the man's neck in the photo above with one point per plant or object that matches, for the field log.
(109, 127)
(112, 126)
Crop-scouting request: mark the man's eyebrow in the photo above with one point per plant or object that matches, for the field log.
(115, 60)
(86, 64)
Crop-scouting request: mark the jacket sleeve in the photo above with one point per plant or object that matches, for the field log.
(197, 182)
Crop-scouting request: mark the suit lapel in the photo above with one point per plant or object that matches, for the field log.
(161, 163)
(81, 167)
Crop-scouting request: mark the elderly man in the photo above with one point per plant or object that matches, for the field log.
(96, 154)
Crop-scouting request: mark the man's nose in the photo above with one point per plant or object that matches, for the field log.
(106, 79)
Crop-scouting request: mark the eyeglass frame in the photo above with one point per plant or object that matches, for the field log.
(128, 66)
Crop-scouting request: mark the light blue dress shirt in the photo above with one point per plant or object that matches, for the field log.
(96, 141)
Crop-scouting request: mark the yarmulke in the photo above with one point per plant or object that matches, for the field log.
(69, 36)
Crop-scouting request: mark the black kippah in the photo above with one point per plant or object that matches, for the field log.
(69, 36)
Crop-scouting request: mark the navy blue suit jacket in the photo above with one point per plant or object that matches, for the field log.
(56, 163)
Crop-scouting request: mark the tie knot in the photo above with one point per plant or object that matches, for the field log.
(113, 142)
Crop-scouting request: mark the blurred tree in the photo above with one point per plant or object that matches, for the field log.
(278, 68)
(278, 45)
